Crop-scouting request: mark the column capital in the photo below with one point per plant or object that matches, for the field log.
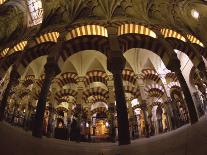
(51, 66)
(116, 64)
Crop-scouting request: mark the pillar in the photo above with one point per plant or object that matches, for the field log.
(51, 69)
(111, 109)
(175, 67)
(116, 66)
(144, 109)
(14, 75)
(112, 132)
(131, 118)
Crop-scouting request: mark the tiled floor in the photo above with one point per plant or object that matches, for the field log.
(188, 140)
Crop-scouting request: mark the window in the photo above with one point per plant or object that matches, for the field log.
(36, 12)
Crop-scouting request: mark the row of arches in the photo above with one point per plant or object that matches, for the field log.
(154, 88)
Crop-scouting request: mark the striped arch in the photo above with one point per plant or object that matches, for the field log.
(7, 62)
(88, 37)
(61, 108)
(174, 85)
(36, 94)
(99, 109)
(42, 47)
(29, 79)
(179, 42)
(17, 48)
(172, 76)
(4, 52)
(11, 55)
(95, 91)
(132, 90)
(194, 40)
(67, 78)
(97, 98)
(157, 104)
(96, 76)
(154, 90)
(136, 40)
(150, 74)
(129, 75)
(68, 99)
(62, 94)
(47, 37)
(35, 52)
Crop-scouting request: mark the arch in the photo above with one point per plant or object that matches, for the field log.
(87, 37)
(150, 74)
(34, 53)
(95, 91)
(98, 105)
(139, 36)
(67, 78)
(155, 90)
(179, 42)
(7, 62)
(129, 75)
(96, 76)
(65, 93)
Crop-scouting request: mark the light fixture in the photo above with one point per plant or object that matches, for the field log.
(195, 14)
(107, 124)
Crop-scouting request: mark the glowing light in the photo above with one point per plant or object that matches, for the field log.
(135, 102)
(195, 14)
(107, 124)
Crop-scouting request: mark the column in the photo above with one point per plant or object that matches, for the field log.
(89, 123)
(169, 113)
(131, 118)
(27, 115)
(112, 132)
(111, 108)
(14, 75)
(202, 70)
(51, 69)
(189, 101)
(144, 109)
(116, 66)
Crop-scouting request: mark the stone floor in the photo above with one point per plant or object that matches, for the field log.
(188, 140)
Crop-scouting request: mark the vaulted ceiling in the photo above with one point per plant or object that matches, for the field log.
(62, 15)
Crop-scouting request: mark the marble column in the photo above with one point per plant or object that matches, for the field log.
(116, 65)
(111, 109)
(51, 69)
(131, 118)
(144, 109)
(112, 132)
(14, 75)
(188, 98)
